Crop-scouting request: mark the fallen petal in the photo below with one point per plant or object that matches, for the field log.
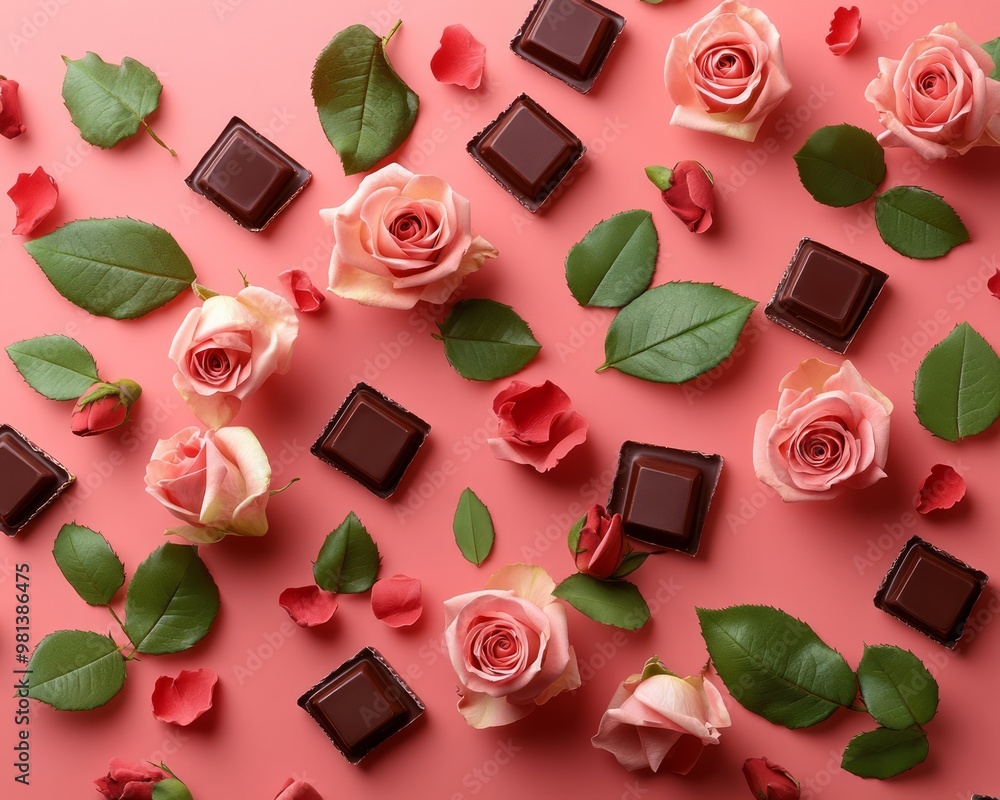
(35, 196)
(460, 59)
(942, 489)
(308, 606)
(844, 30)
(183, 699)
(305, 296)
(993, 284)
(297, 790)
(397, 601)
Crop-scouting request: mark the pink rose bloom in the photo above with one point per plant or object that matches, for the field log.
(535, 425)
(402, 238)
(601, 545)
(126, 781)
(509, 645)
(659, 720)
(225, 350)
(216, 482)
(726, 72)
(830, 433)
(937, 99)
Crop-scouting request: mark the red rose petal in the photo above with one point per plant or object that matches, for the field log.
(844, 30)
(993, 284)
(297, 790)
(460, 59)
(308, 606)
(397, 600)
(183, 699)
(35, 196)
(305, 296)
(942, 489)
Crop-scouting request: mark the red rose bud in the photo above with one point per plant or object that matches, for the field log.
(769, 781)
(601, 545)
(687, 190)
(10, 109)
(126, 781)
(104, 407)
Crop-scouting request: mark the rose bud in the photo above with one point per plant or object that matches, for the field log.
(687, 190)
(599, 546)
(104, 407)
(10, 109)
(768, 781)
(126, 781)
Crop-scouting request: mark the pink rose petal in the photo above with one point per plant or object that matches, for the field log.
(35, 196)
(308, 606)
(397, 601)
(460, 59)
(993, 284)
(305, 296)
(183, 699)
(942, 489)
(844, 30)
(297, 790)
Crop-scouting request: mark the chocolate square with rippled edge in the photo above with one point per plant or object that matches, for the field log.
(247, 176)
(372, 439)
(825, 295)
(663, 494)
(362, 704)
(527, 151)
(30, 479)
(931, 590)
(569, 39)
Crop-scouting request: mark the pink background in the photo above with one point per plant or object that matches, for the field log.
(821, 562)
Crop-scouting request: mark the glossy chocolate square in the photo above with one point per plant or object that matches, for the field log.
(371, 439)
(361, 704)
(825, 295)
(30, 479)
(247, 176)
(664, 494)
(931, 590)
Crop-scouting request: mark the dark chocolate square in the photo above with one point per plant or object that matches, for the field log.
(30, 479)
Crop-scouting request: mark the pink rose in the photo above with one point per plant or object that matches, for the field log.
(601, 545)
(657, 719)
(217, 482)
(227, 348)
(830, 433)
(104, 407)
(535, 425)
(402, 238)
(726, 72)
(10, 109)
(126, 781)
(509, 645)
(937, 98)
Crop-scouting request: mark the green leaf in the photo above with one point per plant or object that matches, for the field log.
(897, 689)
(675, 332)
(171, 789)
(573, 537)
(630, 563)
(918, 223)
(617, 603)
(348, 561)
(172, 600)
(661, 177)
(473, 528)
(76, 670)
(366, 110)
(614, 263)
(56, 367)
(120, 268)
(882, 753)
(841, 165)
(993, 48)
(108, 102)
(775, 665)
(957, 388)
(485, 340)
(89, 564)
(654, 667)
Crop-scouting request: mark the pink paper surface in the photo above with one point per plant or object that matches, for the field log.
(821, 562)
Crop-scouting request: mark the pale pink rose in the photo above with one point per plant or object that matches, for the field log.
(509, 645)
(535, 425)
(216, 482)
(402, 238)
(830, 433)
(937, 99)
(726, 72)
(225, 350)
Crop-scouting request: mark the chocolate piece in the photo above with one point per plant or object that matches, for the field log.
(825, 295)
(361, 704)
(247, 176)
(931, 590)
(663, 494)
(372, 439)
(570, 39)
(30, 479)
(527, 151)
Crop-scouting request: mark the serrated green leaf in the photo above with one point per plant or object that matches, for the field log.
(120, 268)
(883, 753)
(473, 528)
(957, 389)
(897, 689)
(993, 48)
(172, 600)
(366, 109)
(57, 367)
(675, 332)
(76, 670)
(171, 789)
(485, 340)
(617, 603)
(918, 223)
(348, 561)
(614, 263)
(87, 561)
(775, 665)
(841, 165)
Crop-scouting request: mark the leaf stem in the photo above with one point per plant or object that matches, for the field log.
(389, 35)
(158, 140)
(273, 492)
(122, 626)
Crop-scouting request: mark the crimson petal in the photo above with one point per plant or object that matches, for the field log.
(460, 59)
(397, 601)
(308, 606)
(183, 699)
(941, 489)
(35, 196)
(844, 30)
